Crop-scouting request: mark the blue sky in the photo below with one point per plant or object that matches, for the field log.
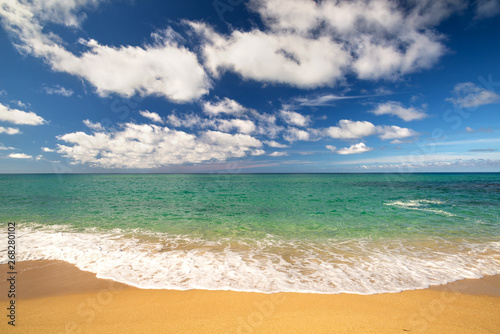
(249, 86)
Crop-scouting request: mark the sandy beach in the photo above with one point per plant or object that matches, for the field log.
(56, 297)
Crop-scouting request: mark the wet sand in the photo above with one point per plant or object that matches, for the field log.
(57, 297)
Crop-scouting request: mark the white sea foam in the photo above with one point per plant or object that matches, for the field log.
(155, 260)
(421, 205)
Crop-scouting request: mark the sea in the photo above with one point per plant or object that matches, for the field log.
(314, 233)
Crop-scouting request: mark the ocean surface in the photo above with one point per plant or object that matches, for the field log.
(321, 233)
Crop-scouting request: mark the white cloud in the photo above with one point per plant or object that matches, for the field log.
(226, 139)
(243, 126)
(226, 125)
(348, 129)
(4, 148)
(20, 156)
(46, 149)
(93, 126)
(294, 118)
(188, 120)
(258, 152)
(151, 115)
(469, 129)
(224, 106)
(278, 154)
(302, 43)
(468, 95)
(275, 144)
(274, 57)
(396, 109)
(58, 90)
(394, 132)
(9, 131)
(293, 134)
(130, 70)
(353, 149)
(164, 68)
(266, 124)
(310, 44)
(149, 146)
(331, 148)
(16, 116)
(487, 8)
(387, 61)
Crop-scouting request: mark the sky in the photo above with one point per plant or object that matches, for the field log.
(225, 86)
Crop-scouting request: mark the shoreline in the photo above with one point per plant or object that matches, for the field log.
(55, 296)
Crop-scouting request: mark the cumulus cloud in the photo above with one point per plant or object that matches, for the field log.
(149, 146)
(266, 124)
(9, 131)
(310, 44)
(241, 125)
(293, 134)
(16, 116)
(151, 115)
(348, 129)
(273, 57)
(258, 152)
(19, 156)
(302, 43)
(331, 148)
(394, 132)
(224, 106)
(353, 149)
(396, 109)
(58, 90)
(163, 68)
(294, 118)
(46, 149)
(93, 126)
(469, 95)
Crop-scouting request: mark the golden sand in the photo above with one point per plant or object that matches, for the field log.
(56, 297)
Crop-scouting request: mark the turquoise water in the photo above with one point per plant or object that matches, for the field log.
(363, 233)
